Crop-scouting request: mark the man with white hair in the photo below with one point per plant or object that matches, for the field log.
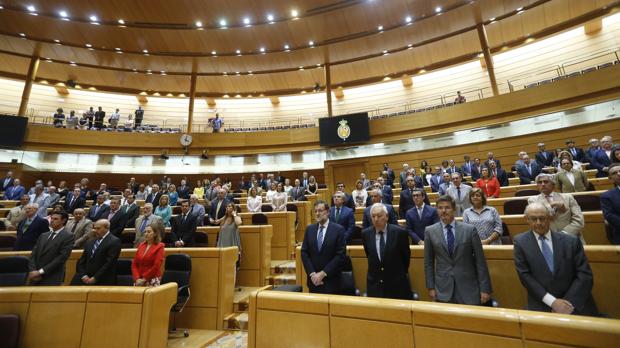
(40, 197)
(376, 196)
(387, 250)
(218, 207)
(17, 214)
(97, 265)
(81, 228)
(29, 230)
(543, 157)
(198, 210)
(144, 220)
(567, 213)
(403, 174)
(602, 157)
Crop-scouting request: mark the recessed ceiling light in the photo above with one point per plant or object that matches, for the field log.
(121, 21)
(224, 73)
(287, 47)
(236, 72)
(48, 60)
(294, 13)
(117, 48)
(437, 9)
(213, 52)
(270, 17)
(22, 34)
(311, 43)
(246, 20)
(262, 49)
(408, 19)
(145, 51)
(410, 45)
(492, 19)
(31, 8)
(520, 12)
(301, 68)
(199, 24)
(1, 7)
(519, 9)
(56, 41)
(238, 51)
(380, 28)
(163, 72)
(222, 23)
(63, 14)
(89, 45)
(385, 51)
(250, 72)
(318, 64)
(93, 18)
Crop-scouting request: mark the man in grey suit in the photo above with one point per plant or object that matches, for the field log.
(81, 228)
(459, 193)
(48, 258)
(147, 219)
(454, 265)
(553, 267)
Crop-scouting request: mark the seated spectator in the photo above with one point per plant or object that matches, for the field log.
(359, 195)
(146, 264)
(313, 186)
(164, 210)
(255, 201)
(52, 196)
(72, 120)
(610, 205)
(486, 219)
(488, 184)
(81, 228)
(279, 199)
(15, 192)
(460, 99)
(570, 179)
(59, 118)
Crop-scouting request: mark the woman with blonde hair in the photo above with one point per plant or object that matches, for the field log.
(146, 264)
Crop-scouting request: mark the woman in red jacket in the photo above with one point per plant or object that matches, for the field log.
(146, 265)
(488, 183)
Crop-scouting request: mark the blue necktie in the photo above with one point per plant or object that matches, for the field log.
(450, 239)
(95, 246)
(143, 225)
(319, 238)
(547, 253)
(381, 245)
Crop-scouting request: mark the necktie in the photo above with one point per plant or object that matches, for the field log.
(337, 214)
(143, 225)
(96, 209)
(319, 238)
(574, 152)
(458, 192)
(544, 153)
(547, 253)
(26, 225)
(75, 223)
(52, 236)
(420, 212)
(450, 239)
(95, 246)
(184, 216)
(381, 245)
(529, 169)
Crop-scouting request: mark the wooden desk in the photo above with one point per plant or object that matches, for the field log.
(498, 203)
(283, 240)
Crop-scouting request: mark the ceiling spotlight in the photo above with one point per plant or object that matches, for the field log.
(270, 17)
(250, 72)
(145, 51)
(492, 19)
(294, 13)
(31, 8)
(93, 18)
(385, 51)
(311, 43)
(213, 53)
(224, 73)
(262, 49)
(223, 23)
(519, 9)
(408, 19)
(287, 47)
(1, 7)
(117, 48)
(380, 28)
(238, 52)
(199, 24)
(410, 45)
(22, 34)
(121, 22)
(437, 9)
(246, 21)
(56, 41)
(63, 14)
(88, 45)
(162, 72)
(301, 68)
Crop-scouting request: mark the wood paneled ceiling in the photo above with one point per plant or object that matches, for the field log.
(158, 43)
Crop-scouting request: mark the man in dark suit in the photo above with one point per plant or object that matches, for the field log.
(74, 200)
(452, 167)
(154, 196)
(455, 268)
(47, 262)
(7, 181)
(218, 207)
(594, 146)
(436, 179)
(491, 158)
(610, 204)
(297, 192)
(553, 267)
(183, 190)
(97, 265)
(601, 160)
(14, 192)
(132, 210)
(343, 216)
(116, 217)
(348, 199)
(387, 249)
(183, 227)
(544, 158)
(467, 166)
(100, 210)
(376, 197)
(389, 175)
(499, 173)
(99, 118)
(29, 230)
(476, 170)
(404, 174)
(419, 217)
(578, 153)
(323, 251)
(388, 194)
(528, 171)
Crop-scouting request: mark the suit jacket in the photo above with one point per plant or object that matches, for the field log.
(475, 172)
(403, 178)
(27, 238)
(578, 155)
(502, 177)
(392, 217)
(70, 206)
(417, 225)
(14, 193)
(101, 212)
(462, 201)
(183, 230)
(51, 256)
(218, 215)
(571, 221)
(4, 184)
(542, 160)
(154, 198)
(486, 163)
(571, 279)
(83, 232)
(451, 170)
(132, 211)
(348, 201)
(599, 161)
(147, 265)
(329, 259)
(118, 222)
(565, 186)
(151, 220)
(346, 219)
(184, 192)
(527, 178)
(198, 210)
(101, 265)
(462, 276)
(298, 194)
(610, 204)
(436, 180)
(405, 202)
(388, 276)
(590, 152)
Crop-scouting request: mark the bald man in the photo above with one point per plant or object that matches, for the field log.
(97, 265)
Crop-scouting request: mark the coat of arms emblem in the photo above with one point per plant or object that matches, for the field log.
(344, 131)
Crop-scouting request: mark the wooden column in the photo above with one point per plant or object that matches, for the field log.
(192, 96)
(328, 89)
(488, 58)
(32, 74)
